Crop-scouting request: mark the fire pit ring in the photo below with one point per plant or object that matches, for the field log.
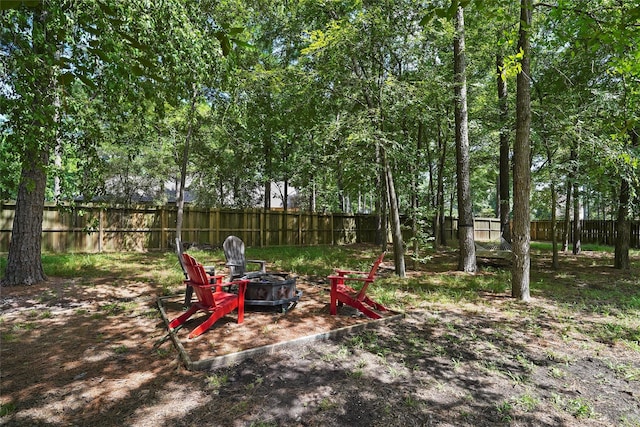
(272, 289)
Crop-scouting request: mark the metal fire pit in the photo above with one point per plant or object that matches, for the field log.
(272, 289)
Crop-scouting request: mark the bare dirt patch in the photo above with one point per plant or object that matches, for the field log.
(84, 352)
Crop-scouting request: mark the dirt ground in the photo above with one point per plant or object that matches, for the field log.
(91, 353)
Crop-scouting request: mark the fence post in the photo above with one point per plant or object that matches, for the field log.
(164, 224)
(101, 221)
(333, 242)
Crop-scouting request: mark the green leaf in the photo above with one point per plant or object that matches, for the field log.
(65, 78)
(132, 41)
(146, 62)
(428, 17)
(87, 81)
(225, 44)
(17, 4)
(137, 70)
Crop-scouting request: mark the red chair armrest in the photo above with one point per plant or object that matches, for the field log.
(359, 279)
(341, 272)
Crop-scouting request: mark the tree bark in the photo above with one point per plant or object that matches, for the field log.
(521, 237)
(439, 231)
(24, 262)
(623, 229)
(184, 164)
(504, 195)
(467, 257)
(555, 262)
(623, 225)
(415, 166)
(573, 158)
(398, 244)
(577, 229)
(24, 265)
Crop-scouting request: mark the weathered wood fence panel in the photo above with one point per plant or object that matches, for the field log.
(485, 229)
(92, 228)
(601, 232)
(592, 231)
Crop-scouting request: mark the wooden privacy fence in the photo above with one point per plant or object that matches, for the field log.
(601, 232)
(484, 229)
(90, 228)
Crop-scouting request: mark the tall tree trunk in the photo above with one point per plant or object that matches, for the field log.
(577, 226)
(24, 265)
(623, 225)
(24, 262)
(467, 257)
(555, 262)
(521, 233)
(415, 166)
(285, 196)
(312, 197)
(381, 225)
(504, 195)
(439, 231)
(573, 159)
(267, 174)
(184, 163)
(398, 244)
(623, 229)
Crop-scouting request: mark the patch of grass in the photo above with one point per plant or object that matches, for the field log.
(342, 353)
(7, 409)
(557, 357)
(326, 404)
(629, 421)
(47, 296)
(612, 332)
(557, 373)
(517, 379)
(263, 424)
(527, 402)
(504, 411)
(580, 408)
(526, 364)
(623, 370)
(216, 381)
(255, 384)
(411, 402)
(355, 374)
(24, 327)
(122, 349)
(115, 308)
(9, 337)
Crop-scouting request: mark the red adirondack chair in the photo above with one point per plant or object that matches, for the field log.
(341, 293)
(209, 269)
(211, 297)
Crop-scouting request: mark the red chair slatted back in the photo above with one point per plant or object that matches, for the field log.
(374, 268)
(199, 280)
